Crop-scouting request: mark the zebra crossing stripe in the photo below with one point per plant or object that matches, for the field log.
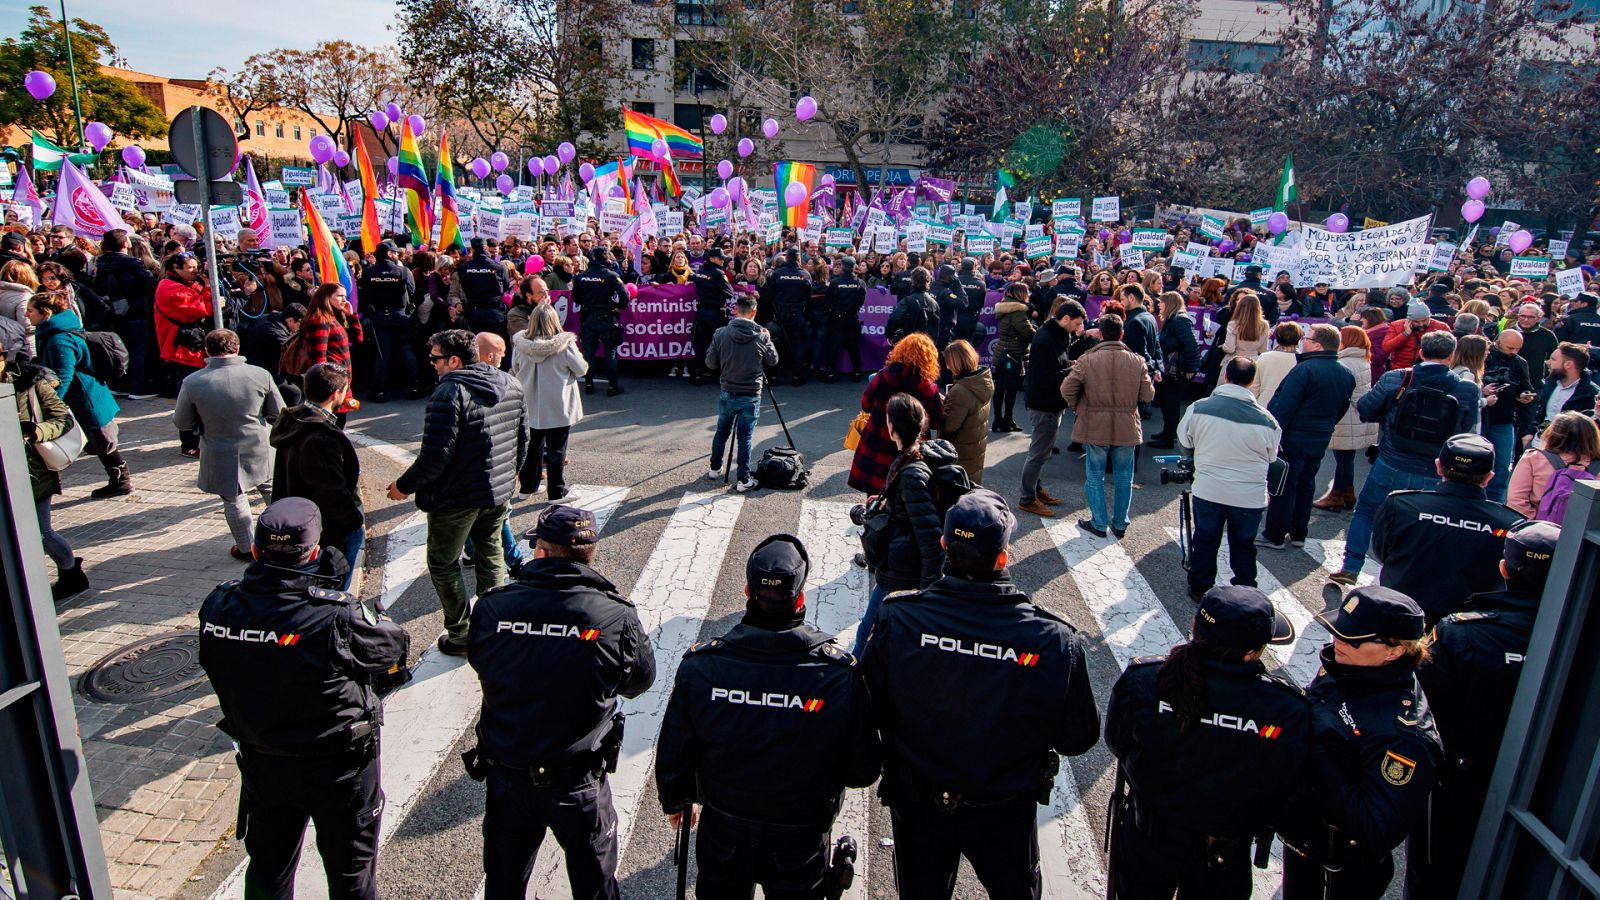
(1329, 555)
(423, 720)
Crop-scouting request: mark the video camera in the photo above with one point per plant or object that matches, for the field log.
(1182, 471)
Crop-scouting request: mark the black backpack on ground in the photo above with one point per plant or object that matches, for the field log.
(782, 469)
(1424, 418)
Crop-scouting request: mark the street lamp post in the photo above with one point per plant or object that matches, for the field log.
(699, 88)
(72, 72)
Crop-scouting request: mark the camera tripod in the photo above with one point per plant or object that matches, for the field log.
(1184, 475)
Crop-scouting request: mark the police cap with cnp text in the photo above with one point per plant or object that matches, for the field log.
(1532, 545)
(1241, 617)
(289, 528)
(778, 563)
(979, 525)
(1467, 454)
(1375, 612)
(565, 526)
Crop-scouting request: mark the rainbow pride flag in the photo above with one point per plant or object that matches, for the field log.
(412, 179)
(371, 234)
(784, 174)
(445, 187)
(325, 255)
(670, 183)
(643, 131)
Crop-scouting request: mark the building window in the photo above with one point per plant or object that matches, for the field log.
(640, 106)
(313, 131)
(688, 116)
(297, 132)
(689, 70)
(850, 7)
(644, 53)
(240, 126)
(261, 128)
(279, 129)
(1240, 56)
(698, 12)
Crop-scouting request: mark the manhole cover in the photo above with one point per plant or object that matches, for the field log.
(147, 669)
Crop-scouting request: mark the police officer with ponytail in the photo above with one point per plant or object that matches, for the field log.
(1209, 747)
(766, 727)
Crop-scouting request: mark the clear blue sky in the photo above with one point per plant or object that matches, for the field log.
(188, 40)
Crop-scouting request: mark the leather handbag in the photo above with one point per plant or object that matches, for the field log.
(62, 452)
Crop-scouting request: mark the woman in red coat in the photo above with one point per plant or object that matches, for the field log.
(912, 368)
(183, 301)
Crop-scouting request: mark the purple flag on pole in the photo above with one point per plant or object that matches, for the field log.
(82, 206)
(253, 212)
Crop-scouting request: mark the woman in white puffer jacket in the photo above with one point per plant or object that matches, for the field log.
(546, 360)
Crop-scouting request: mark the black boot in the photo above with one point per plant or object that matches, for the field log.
(120, 484)
(72, 581)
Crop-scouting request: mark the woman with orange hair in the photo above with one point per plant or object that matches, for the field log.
(912, 368)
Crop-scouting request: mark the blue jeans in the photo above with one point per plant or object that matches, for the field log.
(1094, 486)
(869, 617)
(1504, 438)
(1382, 480)
(738, 412)
(1289, 513)
(1209, 521)
(350, 545)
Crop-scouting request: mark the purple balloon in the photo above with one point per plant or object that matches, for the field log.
(504, 184)
(1338, 223)
(795, 194)
(322, 149)
(1277, 222)
(719, 123)
(1105, 234)
(479, 167)
(1478, 188)
(1124, 236)
(418, 125)
(498, 161)
(827, 181)
(39, 84)
(393, 112)
(770, 128)
(806, 108)
(341, 159)
(566, 152)
(736, 187)
(1472, 210)
(746, 147)
(1495, 231)
(551, 164)
(98, 134)
(133, 156)
(724, 170)
(380, 120)
(394, 166)
(718, 198)
(1226, 246)
(1520, 241)
(659, 148)
(586, 172)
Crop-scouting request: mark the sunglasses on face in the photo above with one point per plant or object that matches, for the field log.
(433, 358)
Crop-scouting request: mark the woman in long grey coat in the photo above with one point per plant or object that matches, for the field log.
(231, 403)
(547, 362)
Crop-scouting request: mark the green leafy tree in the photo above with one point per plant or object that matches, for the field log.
(105, 98)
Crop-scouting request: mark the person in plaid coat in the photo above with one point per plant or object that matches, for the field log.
(912, 368)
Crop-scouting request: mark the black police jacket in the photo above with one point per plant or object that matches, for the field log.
(788, 290)
(711, 288)
(293, 661)
(483, 282)
(1251, 748)
(767, 725)
(1012, 686)
(846, 296)
(900, 285)
(917, 311)
(598, 291)
(1581, 327)
(1442, 546)
(1474, 660)
(386, 287)
(951, 299)
(1375, 756)
(553, 650)
(976, 294)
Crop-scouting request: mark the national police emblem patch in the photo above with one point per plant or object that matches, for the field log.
(1397, 770)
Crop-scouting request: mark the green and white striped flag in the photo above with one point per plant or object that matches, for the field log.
(1002, 200)
(1286, 188)
(48, 156)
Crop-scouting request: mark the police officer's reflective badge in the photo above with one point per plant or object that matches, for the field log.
(1397, 770)
(1350, 605)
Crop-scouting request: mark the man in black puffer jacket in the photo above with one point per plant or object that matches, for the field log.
(1049, 360)
(130, 288)
(464, 475)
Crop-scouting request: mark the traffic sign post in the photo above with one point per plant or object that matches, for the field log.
(202, 143)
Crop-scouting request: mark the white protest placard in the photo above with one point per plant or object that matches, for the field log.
(1199, 249)
(1507, 228)
(613, 220)
(1066, 208)
(1535, 267)
(1108, 209)
(1032, 231)
(973, 224)
(876, 217)
(489, 224)
(1150, 239)
(1100, 261)
(1217, 267)
(1212, 226)
(519, 226)
(1183, 259)
(1132, 257)
(329, 205)
(1260, 216)
(1443, 253)
(674, 223)
(296, 176)
(839, 237)
(1022, 209)
(1569, 281)
(940, 234)
(284, 228)
(979, 245)
(812, 231)
(1011, 232)
(121, 196)
(181, 214)
(275, 197)
(884, 240)
(1067, 245)
(1370, 258)
(916, 238)
(225, 221)
(1039, 246)
(1558, 248)
(773, 234)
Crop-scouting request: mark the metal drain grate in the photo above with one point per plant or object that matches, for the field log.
(145, 670)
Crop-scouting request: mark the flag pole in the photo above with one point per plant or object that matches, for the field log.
(72, 72)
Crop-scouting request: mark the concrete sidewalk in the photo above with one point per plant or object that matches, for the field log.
(165, 785)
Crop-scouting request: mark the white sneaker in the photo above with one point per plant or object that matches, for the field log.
(713, 473)
(748, 484)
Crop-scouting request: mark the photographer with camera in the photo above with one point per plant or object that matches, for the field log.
(1234, 441)
(1507, 389)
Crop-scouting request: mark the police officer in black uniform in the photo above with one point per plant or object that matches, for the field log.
(600, 296)
(966, 763)
(1375, 752)
(1581, 325)
(483, 287)
(916, 311)
(1440, 547)
(1204, 723)
(1474, 661)
(767, 726)
(299, 667)
(553, 649)
(950, 296)
(819, 315)
(976, 292)
(900, 285)
(846, 296)
(386, 290)
(713, 296)
(787, 291)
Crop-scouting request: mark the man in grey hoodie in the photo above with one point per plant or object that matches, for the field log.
(740, 352)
